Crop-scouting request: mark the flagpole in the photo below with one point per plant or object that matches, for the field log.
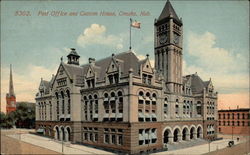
(130, 33)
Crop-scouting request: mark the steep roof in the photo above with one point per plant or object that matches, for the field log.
(126, 60)
(167, 11)
(197, 84)
(73, 70)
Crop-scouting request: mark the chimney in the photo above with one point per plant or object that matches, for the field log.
(92, 61)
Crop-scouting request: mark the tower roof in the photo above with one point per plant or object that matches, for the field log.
(167, 11)
(11, 87)
(73, 52)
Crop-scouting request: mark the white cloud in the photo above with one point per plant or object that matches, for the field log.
(142, 57)
(218, 63)
(96, 34)
(25, 86)
(203, 48)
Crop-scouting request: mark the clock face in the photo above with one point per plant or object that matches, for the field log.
(163, 38)
(176, 38)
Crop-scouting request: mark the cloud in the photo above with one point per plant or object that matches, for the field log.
(225, 68)
(96, 35)
(25, 86)
(142, 57)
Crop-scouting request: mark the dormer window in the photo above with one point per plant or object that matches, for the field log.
(147, 79)
(113, 78)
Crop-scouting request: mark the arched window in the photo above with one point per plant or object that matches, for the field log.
(166, 106)
(63, 108)
(68, 94)
(120, 104)
(154, 98)
(90, 106)
(140, 98)
(147, 98)
(106, 103)
(96, 103)
(57, 106)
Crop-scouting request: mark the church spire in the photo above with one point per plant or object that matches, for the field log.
(11, 87)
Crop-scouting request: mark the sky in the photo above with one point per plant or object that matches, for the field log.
(34, 38)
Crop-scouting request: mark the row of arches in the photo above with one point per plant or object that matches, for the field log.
(185, 133)
(62, 133)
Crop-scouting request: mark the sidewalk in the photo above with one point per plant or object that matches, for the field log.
(202, 149)
(56, 145)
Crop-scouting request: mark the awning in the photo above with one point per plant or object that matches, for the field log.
(112, 99)
(153, 136)
(153, 99)
(141, 137)
(165, 116)
(62, 116)
(198, 104)
(68, 116)
(141, 98)
(119, 115)
(95, 116)
(106, 115)
(147, 98)
(141, 115)
(112, 115)
(153, 115)
(106, 99)
(147, 115)
(40, 130)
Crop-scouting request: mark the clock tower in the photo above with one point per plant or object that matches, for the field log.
(168, 48)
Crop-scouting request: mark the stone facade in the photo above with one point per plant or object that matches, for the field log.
(122, 104)
(234, 121)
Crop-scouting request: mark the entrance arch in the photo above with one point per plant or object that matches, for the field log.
(56, 132)
(199, 132)
(192, 130)
(67, 133)
(185, 133)
(176, 135)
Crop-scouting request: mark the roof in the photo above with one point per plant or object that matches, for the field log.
(167, 11)
(197, 84)
(73, 70)
(101, 66)
(73, 52)
(235, 110)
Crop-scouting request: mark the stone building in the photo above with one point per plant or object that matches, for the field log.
(234, 121)
(123, 104)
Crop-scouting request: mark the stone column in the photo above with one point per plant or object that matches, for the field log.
(187, 136)
(180, 138)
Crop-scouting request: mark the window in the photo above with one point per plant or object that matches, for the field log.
(224, 116)
(243, 123)
(106, 138)
(96, 137)
(176, 109)
(228, 116)
(243, 116)
(113, 141)
(85, 136)
(232, 123)
(232, 115)
(219, 123)
(120, 139)
(238, 115)
(238, 123)
(228, 123)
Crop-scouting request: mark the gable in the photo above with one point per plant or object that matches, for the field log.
(61, 74)
(113, 66)
(146, 67)
(90, 72)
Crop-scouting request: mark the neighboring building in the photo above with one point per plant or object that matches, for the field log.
(234, 121)
(10, 97)
(122, 103)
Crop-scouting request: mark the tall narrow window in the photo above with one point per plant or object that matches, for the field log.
(62, 94)
(68, 94)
